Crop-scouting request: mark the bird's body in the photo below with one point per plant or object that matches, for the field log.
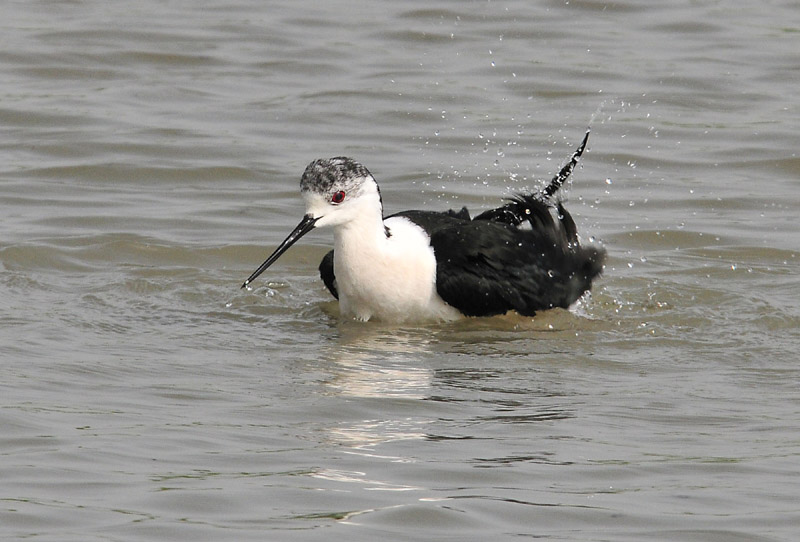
(426, 265)
(387, 278)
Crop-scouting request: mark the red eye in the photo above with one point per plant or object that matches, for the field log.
(338, 197)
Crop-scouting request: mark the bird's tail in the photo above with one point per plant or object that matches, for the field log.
(566, 171)
(534, 207)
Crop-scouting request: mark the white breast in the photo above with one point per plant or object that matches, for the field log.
(389, 279)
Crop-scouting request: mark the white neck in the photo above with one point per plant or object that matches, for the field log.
(358, 242)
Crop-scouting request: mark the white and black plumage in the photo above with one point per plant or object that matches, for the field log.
(524, 256)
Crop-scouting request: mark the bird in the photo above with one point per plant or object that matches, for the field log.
(419, 265)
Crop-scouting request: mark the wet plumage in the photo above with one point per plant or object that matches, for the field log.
(523, 256)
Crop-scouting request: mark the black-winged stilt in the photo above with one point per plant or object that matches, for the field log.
(426, 265)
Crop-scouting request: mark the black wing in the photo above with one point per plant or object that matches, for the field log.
(485, 268)
(528, 207)
(492, 264)
(326, 273)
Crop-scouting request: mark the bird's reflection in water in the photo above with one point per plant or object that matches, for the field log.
(379, 363)
(377, 370)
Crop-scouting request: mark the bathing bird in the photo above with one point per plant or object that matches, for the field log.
(418, 265)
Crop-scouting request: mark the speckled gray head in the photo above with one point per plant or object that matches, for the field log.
(329, 175)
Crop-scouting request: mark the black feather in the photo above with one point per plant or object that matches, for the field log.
(490, 268)
(326, 273)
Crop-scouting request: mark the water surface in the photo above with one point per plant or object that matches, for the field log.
(150, 160)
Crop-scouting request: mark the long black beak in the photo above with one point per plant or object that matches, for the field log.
(305, 226)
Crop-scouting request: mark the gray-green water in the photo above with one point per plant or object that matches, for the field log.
(150, 159)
